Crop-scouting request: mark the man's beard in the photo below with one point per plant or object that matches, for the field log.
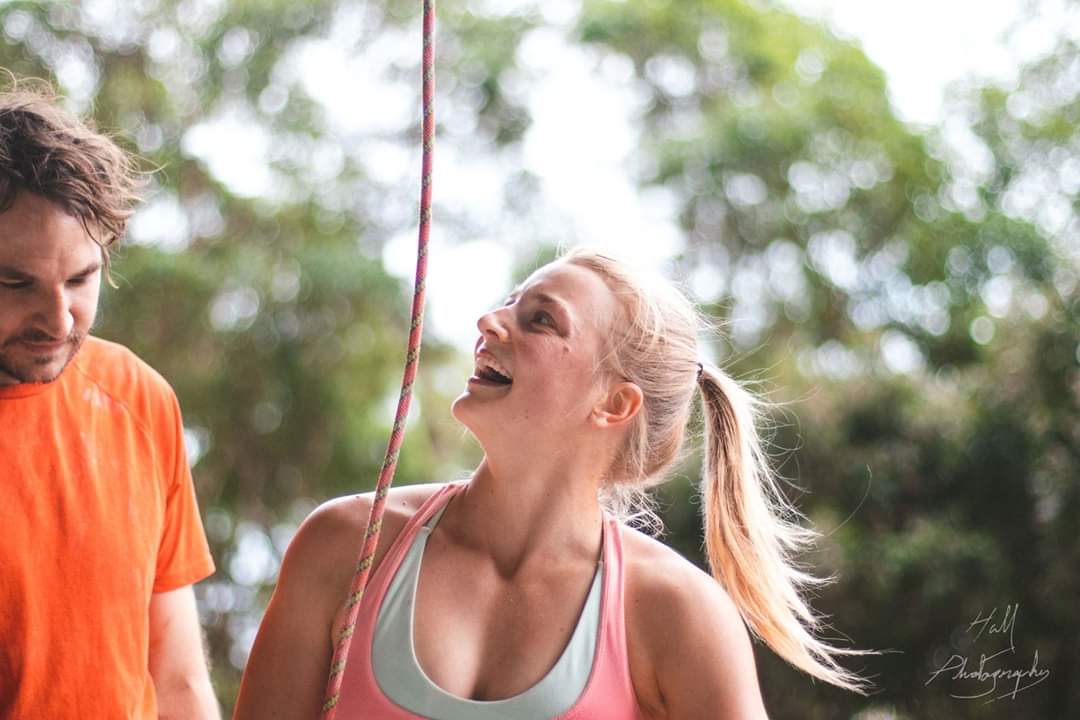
(33, 371)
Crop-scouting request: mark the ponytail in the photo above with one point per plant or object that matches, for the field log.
(751, 531)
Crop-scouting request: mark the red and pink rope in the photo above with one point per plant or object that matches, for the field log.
(343, 637)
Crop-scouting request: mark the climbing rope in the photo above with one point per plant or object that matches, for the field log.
(343, 637)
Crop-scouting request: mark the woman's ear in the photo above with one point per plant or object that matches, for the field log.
(619, 406)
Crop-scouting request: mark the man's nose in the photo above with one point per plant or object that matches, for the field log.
(54, 315)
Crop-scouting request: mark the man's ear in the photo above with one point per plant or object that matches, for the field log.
(619, 406)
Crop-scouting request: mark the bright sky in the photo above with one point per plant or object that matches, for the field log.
(924, 44)
(581, 143)
(921, 44)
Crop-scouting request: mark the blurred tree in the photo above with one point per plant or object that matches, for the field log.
(927, 332)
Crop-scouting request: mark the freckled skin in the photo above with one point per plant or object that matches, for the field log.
(50, 279)
(551, 359)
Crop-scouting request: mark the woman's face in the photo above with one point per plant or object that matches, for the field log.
(547, 338)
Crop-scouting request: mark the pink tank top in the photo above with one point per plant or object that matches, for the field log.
(608, 694)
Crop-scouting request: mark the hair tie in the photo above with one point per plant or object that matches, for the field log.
(699, 369)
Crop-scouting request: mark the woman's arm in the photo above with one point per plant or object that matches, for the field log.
(690, 651)
(286, 673)
(708, 670)
(285, 677)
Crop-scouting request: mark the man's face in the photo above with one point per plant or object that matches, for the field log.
(50, 277)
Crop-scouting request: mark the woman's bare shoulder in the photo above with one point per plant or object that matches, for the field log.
(328, 543)
(339, 523)
(295, 639)
(664, 584)
(659, 572)
(349, 513)
(676, 615)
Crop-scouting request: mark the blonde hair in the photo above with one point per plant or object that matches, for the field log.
(751, 530)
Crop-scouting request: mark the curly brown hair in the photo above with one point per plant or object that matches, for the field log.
(48, 151)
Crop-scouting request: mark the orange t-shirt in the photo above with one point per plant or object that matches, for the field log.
(97, 512)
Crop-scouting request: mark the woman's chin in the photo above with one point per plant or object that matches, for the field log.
(462, 410)
(478, 388)
(473, 417)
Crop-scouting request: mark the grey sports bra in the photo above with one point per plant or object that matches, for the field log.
(404, 682)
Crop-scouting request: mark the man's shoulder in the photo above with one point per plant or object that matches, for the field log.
(117, 370)
(100, 354)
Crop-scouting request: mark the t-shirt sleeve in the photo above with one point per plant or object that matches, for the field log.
(183, 555)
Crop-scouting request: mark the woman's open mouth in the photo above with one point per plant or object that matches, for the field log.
(490, 377)
(490, 371)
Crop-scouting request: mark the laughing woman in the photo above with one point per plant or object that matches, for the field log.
(518, 593)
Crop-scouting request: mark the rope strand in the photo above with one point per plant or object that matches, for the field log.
(343, 638)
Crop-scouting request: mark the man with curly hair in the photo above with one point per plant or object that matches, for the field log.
(102, 535)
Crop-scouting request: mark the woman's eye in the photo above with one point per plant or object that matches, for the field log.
(544, 315)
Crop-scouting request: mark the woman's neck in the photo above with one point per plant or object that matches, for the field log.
(519, 517)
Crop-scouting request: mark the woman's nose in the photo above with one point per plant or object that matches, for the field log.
(492, 324)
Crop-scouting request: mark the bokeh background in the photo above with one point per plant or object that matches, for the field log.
(907, 291)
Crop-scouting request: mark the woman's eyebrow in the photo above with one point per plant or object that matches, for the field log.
(545, 299)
